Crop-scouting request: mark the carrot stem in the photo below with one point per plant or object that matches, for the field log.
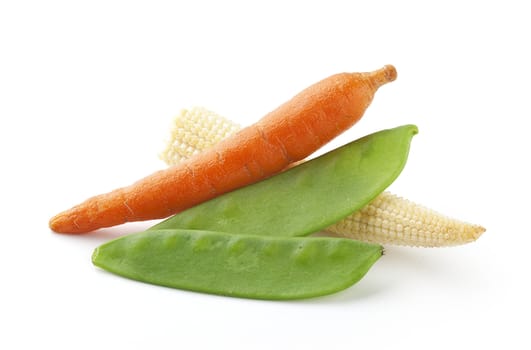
(383, 75)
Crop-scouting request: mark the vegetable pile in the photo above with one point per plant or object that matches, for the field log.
(386, 219)
(245, 204)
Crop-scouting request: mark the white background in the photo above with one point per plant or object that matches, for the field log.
(87, 94)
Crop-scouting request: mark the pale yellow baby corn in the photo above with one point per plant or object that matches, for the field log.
(388, 219)
(193, 131)
(394, 220)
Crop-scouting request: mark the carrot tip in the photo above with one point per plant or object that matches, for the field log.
(55, 223)
(62, 223)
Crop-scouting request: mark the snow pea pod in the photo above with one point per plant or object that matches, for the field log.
(246, 266)
(310, 196)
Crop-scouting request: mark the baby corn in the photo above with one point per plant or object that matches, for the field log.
(193, 131)
(394, 220)
(388, 219)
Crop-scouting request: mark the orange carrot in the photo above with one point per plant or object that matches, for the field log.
(288, 134)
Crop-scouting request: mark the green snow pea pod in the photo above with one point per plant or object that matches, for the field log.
(245, 266)
(310, 196)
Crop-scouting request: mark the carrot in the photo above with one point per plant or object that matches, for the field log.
(288, 134)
